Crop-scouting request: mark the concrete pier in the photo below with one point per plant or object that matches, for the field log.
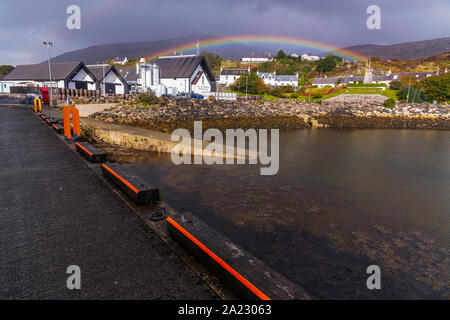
(55, 212)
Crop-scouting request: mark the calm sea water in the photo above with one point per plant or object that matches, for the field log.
(343, 199)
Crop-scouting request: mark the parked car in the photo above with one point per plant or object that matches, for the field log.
(29, 98)
(196, 96)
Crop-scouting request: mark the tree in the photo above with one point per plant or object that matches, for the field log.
(280, 55)
(437, 87)
(249, 83)
(395, 85)
(214, 61)
(328, 63)
(5, 69)
(414, 95)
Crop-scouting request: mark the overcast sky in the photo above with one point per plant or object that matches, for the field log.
(25, 24)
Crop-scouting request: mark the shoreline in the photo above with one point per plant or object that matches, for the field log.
(176, 113)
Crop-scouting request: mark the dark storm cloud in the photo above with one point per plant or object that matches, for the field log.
(25, 24)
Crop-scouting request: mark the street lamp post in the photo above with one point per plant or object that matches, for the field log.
(49, 44)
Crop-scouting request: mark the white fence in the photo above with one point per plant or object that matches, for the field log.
(221, 95)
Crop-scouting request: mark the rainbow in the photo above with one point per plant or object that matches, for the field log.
(260, 39)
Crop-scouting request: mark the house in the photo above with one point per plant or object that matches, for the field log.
(185, 74)
(130, 75)
(228, 76)
(120, 60)
(257, 58)
(310, 57)
(65, 75)
(416, 75)
(108, 79)
(272, 79)
(344, 80)
(294, 55)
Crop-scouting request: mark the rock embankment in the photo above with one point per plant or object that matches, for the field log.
(180, 113)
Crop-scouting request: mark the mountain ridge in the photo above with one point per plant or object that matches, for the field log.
(98, 53)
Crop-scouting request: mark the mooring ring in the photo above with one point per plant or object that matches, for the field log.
(158, 214)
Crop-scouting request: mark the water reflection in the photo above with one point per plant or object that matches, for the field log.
(343, 200)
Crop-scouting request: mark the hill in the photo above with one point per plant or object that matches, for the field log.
(405, 51)
(135, 50)
(233, 51)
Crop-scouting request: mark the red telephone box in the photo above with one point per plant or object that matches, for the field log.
(45, 96)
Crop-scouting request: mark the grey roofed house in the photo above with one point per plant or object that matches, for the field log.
(182, 67)
(39, 72)
(333, 80)
(129, 74)
(99, 70)
(233, 72)
(257, 56)
(286, 77)
(278, 77)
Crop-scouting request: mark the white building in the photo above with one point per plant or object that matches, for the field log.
(310, 57)
(108, 79)
(65, 75)
(229, 76)
(272, 79)
(176, 75)
(257, 58)
(294, 55)
(120, 60)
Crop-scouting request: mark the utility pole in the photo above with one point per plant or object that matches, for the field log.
(49, 44)
(246, 87)
(103, 79)
(409, 87)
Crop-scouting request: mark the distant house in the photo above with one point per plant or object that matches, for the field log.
(257, 58)
(309, 57)
(108, 79)
(416, 75)
(228, 76)
(344, 80)
(65, 75)
(185, 74)
(294, 55)
(273, 79)
(120, 60)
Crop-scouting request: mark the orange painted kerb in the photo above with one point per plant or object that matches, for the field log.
(222, 263)
(84, 148)
(121, 179)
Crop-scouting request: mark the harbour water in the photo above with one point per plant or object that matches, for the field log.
(344, 199)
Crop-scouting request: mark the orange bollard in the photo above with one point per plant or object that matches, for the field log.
(36, 102)
(75, 120)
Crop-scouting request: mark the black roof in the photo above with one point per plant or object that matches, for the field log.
(182, 66)
(39, 72)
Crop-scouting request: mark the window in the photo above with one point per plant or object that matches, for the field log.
(203, 80)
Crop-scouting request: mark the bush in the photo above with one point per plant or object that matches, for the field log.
(147, 98)
(211, 98)
(437, 87)
(280, 91)
(317, 96)
(389, 103)
(395, 85)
